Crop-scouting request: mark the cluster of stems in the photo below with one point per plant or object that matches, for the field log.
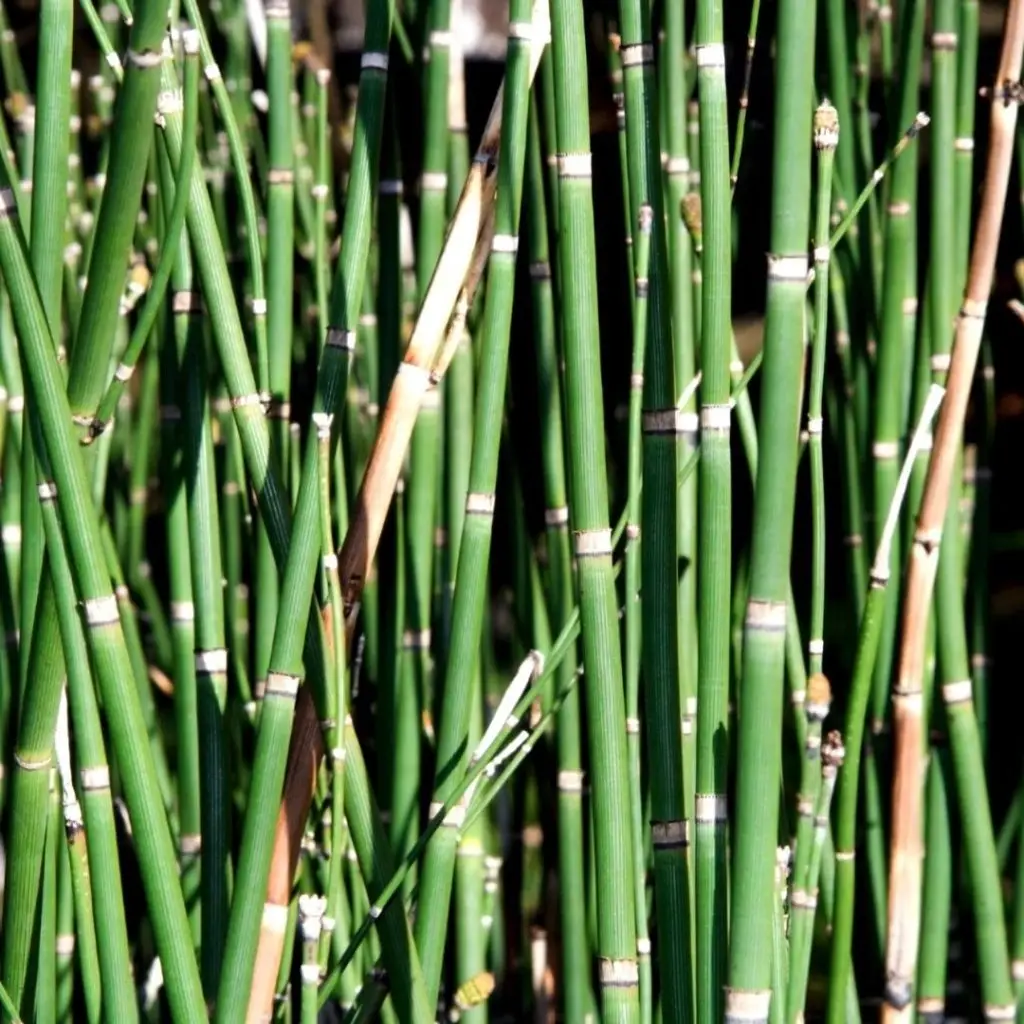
(390, 622)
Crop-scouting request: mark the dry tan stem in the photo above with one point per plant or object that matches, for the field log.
(414, 376)
(906, 850)
(304, 755)
(457, 324)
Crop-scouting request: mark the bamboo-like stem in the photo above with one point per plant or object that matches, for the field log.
(616, 945)
(826, 139)
(744, 99)
(804, 895)
(760, 694)
(575, 988)
(714, 518)
(662, 427)
(633, 631)
(905, 856)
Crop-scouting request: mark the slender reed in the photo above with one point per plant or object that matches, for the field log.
(714, 518)
(760, 693)
(905, 858)
(616, 945)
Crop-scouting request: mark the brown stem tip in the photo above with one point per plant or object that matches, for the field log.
(691, 211)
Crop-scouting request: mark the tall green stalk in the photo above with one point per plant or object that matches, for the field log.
(714, 519)
(577, 996)
(662, 427)
(588, 491)
(760, 695)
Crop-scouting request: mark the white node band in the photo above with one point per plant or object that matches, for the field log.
(144, 59)
(958, 692)
(47, 490)
(190, 844)
(100, 611)
(787, 268)
(95, 778)
(186, 302)
(213, 661)
(619, 973)
(575, 165)
(371, 61)
(747, 1006)
(505, 244)
(556, 516)
(281, 684)
(766, 616)
(716, 417)
(570, 781)
(711, 808)
(589, 543)
(432, 181)
(27, 765)
(711, 55)
(1008, 1012)
(480, 504)
(636, 55)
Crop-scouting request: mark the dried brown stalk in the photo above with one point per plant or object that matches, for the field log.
(906, 850)
(418, 371)
(305, 752)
